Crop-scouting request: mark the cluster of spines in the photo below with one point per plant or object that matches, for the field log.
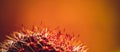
(41, 41)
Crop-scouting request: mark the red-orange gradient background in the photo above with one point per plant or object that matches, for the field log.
(95, 21)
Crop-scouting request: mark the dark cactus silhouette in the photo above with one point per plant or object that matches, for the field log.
(43, 40)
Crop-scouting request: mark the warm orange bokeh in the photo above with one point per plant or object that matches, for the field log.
(93, 20)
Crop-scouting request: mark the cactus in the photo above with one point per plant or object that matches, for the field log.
(41, 41)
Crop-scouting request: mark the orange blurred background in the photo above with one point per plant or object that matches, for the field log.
(95, 21)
